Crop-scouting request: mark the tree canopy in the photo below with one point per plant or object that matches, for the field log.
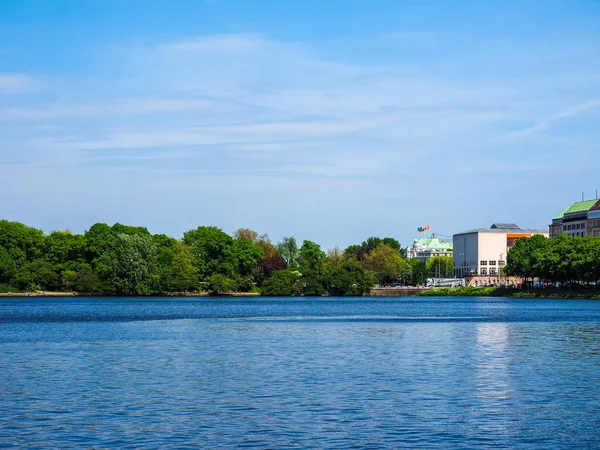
(129, 260)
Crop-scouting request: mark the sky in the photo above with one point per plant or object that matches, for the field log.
(328, 120)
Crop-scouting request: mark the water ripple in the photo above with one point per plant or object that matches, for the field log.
(472, 373)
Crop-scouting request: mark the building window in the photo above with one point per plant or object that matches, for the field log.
(492, 271)
(501, 263)
(484, 271)
(492, 263)
(564, 228)
(483, 263)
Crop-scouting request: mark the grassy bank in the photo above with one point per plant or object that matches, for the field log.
(491, 291)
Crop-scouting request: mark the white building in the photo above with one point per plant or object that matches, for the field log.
(483, 251)
(426, 248)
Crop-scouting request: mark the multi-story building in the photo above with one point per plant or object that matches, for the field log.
(483, 252)
(426, 248)
(579, 219)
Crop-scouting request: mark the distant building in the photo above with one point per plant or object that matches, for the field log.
(426, 248)
(579, 219)
(483, 252)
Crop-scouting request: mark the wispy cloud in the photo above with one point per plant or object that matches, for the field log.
(16, 83)
(225, 43)
(546, 122)
(120, 107)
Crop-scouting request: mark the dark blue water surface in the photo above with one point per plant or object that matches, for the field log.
(299, 373)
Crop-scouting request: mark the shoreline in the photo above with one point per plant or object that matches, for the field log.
(521, 293)
(490, 291)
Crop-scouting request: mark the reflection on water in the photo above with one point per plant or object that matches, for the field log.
(492, 374)
(302, 373)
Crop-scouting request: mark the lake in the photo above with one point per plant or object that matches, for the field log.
(299, 373)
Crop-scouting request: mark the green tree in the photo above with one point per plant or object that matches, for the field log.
(440, 266)
(348, 278)
(213, 249)
(221, 284)
(385, 262)
(184, 273)
(37, 274)
(282, 283)
(22, 243)
(247, 256)
(98, 240)
(288, 250)
(131, 265)
(414, 272)
(311, 259)
(7, 266)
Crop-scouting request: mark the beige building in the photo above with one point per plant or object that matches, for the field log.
(483, 252)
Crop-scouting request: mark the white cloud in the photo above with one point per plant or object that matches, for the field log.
(225, 43)
(121, 107)
(16, 83)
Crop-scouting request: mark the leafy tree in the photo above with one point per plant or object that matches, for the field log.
(267, 246)
(131, 265)
(282, 283)
(65, 250)
(98, 240)
(7, 266)
(22, 243)
(221, 284)
(247, 256)
(440, 266)
(414, 272)
(268, 265)
(348, 278)
(311, 261)
(385, 262)
(118, 228)
(392, 243)
(184, 273)
(213, 249)
(335, 257)
(38, 274)
(288, 250)
(360, 252)
(246, 233)
(353, 251)
(87, 281)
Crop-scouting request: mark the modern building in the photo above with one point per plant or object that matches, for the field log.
(579, 219)
(426, 248)
(483, 252)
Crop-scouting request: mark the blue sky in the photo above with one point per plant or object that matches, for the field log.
(330, 121)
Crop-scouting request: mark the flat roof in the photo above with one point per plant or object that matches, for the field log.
(496, 231)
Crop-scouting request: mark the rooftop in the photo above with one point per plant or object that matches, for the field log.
(509, 231)
(505, 226)
(580, 207)
(435, 244)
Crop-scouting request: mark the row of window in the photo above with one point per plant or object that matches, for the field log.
(484, 271)
(574, 226)
(491, 263)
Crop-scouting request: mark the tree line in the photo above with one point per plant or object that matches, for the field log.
(129, 260)
(564, 259)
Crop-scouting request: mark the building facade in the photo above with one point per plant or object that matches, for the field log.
(483, 252)
(426, 248)
(579, 219)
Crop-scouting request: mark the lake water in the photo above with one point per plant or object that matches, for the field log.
(299, 373)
